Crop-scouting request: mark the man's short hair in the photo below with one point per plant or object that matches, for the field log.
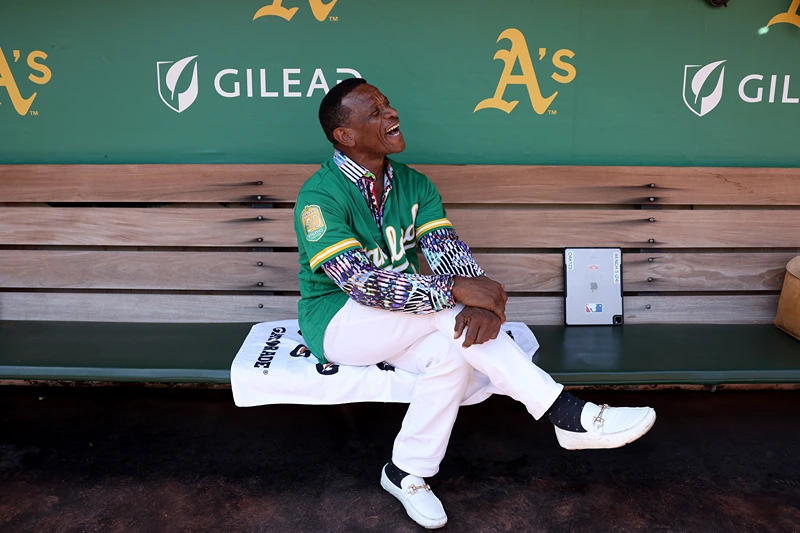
(332, 114)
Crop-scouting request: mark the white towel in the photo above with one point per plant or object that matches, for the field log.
(274, 366)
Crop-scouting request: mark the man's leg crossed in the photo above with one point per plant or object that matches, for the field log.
(506, 365)
(425, 344)
(411, 343)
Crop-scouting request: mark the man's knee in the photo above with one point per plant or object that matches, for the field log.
(443, 359)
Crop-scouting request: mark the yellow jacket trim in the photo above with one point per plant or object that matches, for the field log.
(432, 225)
(332, 250)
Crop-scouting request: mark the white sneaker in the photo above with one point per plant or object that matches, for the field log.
(607, 427)
(417, 497)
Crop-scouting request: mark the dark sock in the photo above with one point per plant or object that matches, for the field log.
(394, 474)
(565, 412)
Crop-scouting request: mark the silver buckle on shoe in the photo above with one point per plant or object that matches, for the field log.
(412, 489)
(599, 420)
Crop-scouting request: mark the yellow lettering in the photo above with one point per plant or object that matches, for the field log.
(790, 17)
(558, 62)
(46, 75)
(320, 9)
(275, 9)
(377, 256)
(21, 105)
(518, 52)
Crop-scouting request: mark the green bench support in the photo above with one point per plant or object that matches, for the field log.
(202, 353)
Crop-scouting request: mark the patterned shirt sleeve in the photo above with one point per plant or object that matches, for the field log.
(446, 254)
(375, 287)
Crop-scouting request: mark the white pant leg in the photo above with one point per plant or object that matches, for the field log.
(424, 344)
(506, 365)
(443, 379)
(360, 335)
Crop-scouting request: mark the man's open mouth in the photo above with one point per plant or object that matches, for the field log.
(394, 131)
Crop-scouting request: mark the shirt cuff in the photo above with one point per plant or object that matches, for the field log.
(442, 292)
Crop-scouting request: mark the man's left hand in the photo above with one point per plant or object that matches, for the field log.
(481, 326)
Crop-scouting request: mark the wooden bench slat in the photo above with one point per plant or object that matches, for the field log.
(146, 226)
(738, 309)
(595, 185)
(151, 183)
(156, 308)
(705, 272)
(555, 228)
(669, 272)
(218, 271)
(193, 271)
(498, 184)
(238, 271)
(480, 228)
(744, 309)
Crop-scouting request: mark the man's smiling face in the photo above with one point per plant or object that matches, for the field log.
(373, 127)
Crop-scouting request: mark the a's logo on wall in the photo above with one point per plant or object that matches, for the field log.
(790, 17)
(321, 10)
(21, 104)
(177, 83)
(519, 53)
(696, 78)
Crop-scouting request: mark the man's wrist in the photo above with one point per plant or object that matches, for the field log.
(457, 288)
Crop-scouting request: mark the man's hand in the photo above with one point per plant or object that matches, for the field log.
(481, 326)
(481, 292)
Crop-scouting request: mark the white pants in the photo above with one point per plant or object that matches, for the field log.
(424, 344)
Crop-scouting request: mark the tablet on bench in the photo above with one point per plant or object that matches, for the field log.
(593, 286)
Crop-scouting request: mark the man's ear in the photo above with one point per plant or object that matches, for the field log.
(344, 136)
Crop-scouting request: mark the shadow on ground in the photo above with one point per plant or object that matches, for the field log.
(136, 459)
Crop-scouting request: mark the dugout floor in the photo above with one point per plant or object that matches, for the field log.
(141, 459)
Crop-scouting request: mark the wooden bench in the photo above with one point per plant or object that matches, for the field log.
(156, 272)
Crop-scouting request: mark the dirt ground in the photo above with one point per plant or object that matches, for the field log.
(143, 459)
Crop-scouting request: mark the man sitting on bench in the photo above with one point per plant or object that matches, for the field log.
(359, 221)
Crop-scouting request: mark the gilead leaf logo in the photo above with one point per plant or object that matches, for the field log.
(695, 92)
(177, 83)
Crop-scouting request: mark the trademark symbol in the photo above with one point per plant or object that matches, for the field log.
(266, 372)
(34, 113)
(333, 19)
(552, 112)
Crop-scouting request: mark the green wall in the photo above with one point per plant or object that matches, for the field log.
(434, 60)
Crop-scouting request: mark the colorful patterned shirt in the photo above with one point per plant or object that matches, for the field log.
(332, 218)
(376, 287)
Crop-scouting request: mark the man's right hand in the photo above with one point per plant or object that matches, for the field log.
(481, 292)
